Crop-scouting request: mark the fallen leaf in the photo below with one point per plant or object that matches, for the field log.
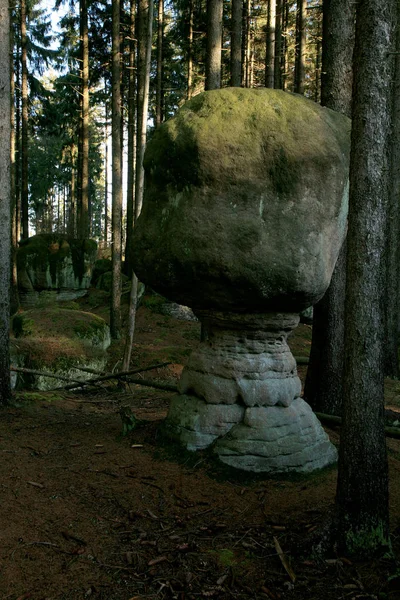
(284, 560)
(157, 560)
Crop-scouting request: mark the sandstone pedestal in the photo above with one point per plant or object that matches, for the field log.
(241, 387)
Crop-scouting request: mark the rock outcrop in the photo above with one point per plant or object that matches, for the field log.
(243, 218)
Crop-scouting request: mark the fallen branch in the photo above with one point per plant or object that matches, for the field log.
(392, 432)
(167, 387)
(45, 374)
(109, 376)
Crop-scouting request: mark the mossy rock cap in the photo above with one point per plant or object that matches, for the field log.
(246, 201)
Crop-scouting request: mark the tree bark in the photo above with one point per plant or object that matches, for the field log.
(83, 205)
(362, 491)
(5, 202)
(324, 382)
(190, 51)
(160, 66)
(393, 234)
(115, 316)
(236, 43)
(14, 297)
(270, 46)
(24, 126)
(300, 69)
(214, 38)
(278, 46)
(130, 191)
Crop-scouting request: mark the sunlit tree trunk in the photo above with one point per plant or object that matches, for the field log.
(278, 46)
(130, 191)
(160, 66)
(214, 39)
(14, 299)
(270, 46)
(300, 69)
(236, 43)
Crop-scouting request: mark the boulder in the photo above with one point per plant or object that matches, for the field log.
(54, 267)
(246, 202)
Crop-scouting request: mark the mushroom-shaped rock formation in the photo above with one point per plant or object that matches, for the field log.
(244, 214)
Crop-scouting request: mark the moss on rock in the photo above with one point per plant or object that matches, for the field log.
(51, 261)
(245, 203)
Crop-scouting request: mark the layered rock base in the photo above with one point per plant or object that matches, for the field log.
(240, 390)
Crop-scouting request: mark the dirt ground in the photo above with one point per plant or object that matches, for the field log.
(86, 512)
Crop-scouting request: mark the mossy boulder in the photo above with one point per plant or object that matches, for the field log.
(246, 201)
(59, 341)
(55, 262)
(101, 266)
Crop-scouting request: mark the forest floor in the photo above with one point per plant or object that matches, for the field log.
(88, 513)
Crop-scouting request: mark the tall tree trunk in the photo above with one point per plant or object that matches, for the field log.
(317, 91)
(83, 207)
(247, 63)
(106, 224)
(214, 40)
(72, 210)
(24, 128)
(145, 32)
(270, 45)
(145, 27)
(236, 43)
(160, 63)
(393, 234)
(18, 214)
(115, 316)
(190, 51)
(278, 46)
(300, 69)
(130, 191)
(362, 492)
(285, 45)
(14, 299)
(324, 382)
(5, 203)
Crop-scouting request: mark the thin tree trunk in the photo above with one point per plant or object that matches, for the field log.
(270, 46)
(248, 43)
(144, 40)
(301, 47)
(145, 26)
(214, 39)
(236, 43)
(83, 213)
(278, 46)
(190, 52)
(5, 203)
(24, 128)
(14, 299)
(130, 191)
(106, 225)
(115, 317)
(324, 382)
(18, 215)
(362, 492)
(284, 52)
(160, 65)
